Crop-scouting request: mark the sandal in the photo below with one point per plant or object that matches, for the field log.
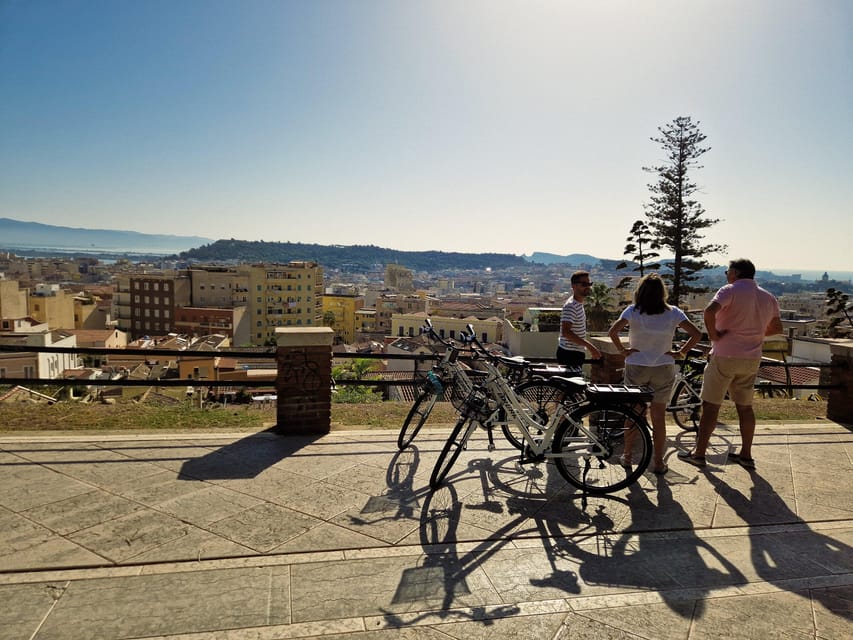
(689, 458)
(746, 463)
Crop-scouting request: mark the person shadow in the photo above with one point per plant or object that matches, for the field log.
(800, 553)
(659, 551)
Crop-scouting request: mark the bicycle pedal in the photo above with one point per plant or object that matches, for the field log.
(491, 447)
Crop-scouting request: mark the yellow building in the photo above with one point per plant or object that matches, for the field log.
(339, 313)
(53, 306)
(13, 300)
(283, 295)
(219, 287)
(410, 324)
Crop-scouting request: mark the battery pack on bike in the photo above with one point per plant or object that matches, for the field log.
(619, 393)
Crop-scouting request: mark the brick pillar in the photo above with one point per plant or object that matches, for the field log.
(304, 381)
(610, 370)
(840, 401)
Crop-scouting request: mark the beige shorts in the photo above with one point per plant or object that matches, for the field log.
(659, 378)
(735, 375)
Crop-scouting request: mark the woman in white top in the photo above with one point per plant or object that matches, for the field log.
(650, 359)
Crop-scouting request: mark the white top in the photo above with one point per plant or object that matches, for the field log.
(651, 335)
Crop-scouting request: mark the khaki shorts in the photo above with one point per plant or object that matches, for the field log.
(659, 378)
(735, 375)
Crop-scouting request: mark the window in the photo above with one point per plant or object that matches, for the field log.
(156, 286)
(29, 371)
(165, 286)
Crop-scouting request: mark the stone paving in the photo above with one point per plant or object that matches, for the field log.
(263, 536)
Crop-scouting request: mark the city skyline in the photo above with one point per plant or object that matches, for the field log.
(473, 127)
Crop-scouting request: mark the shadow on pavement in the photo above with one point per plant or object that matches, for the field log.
(244, 458)
(775, 558)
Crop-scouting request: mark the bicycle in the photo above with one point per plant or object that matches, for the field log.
(584, 432)
(684, 401)
(449, 379)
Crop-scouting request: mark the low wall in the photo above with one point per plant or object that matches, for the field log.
(840, 400)
(304, 381)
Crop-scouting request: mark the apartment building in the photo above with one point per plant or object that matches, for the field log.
(340, 313)
(389, 304)
(410, 324)
(202, 321)
(51, 305)
(154, 300)
(120, 303)
(31, 333)
(13, 299)
(222, 287)
(283, 295)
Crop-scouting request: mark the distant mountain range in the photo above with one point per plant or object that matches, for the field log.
(16, 235)
(33, 238)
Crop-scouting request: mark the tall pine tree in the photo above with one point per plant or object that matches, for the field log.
(676, 220)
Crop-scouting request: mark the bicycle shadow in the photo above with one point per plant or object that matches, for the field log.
(802, 552)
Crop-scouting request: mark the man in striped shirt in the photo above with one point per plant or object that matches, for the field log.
(573, 343)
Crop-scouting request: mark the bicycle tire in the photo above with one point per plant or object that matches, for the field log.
(451, 450)
(613, 425)
(417, 416)
(544, 395)
(685, 407)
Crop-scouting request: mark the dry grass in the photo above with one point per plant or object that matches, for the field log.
(162, 414)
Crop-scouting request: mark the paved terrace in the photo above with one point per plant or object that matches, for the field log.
(259, 536)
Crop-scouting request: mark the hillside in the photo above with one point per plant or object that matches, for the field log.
(349, 258)
(16, 235)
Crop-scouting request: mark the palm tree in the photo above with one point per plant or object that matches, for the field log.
(599, 299)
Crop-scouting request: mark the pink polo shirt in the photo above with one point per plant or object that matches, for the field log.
(745, 311)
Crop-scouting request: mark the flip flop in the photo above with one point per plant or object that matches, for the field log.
(689, 458)
(746, 463)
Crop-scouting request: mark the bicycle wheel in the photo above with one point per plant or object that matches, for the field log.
(451, 450)
(685, 406)
(544, 396)
(620, 456)
(417, 416)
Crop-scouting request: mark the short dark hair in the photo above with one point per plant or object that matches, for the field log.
(577, 275)
(744, 268)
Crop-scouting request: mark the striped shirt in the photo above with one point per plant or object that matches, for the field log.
(573, 313)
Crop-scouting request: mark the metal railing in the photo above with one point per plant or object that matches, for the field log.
(149, 356)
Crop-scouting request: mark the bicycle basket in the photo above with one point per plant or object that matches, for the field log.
(619, 393)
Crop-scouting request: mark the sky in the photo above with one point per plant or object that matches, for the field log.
(475, 126)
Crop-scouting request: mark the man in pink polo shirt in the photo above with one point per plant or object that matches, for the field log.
(737, 319)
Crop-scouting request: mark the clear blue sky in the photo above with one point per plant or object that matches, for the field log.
(475, 125)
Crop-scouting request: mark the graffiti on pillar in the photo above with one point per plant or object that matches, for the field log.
(302, 376)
